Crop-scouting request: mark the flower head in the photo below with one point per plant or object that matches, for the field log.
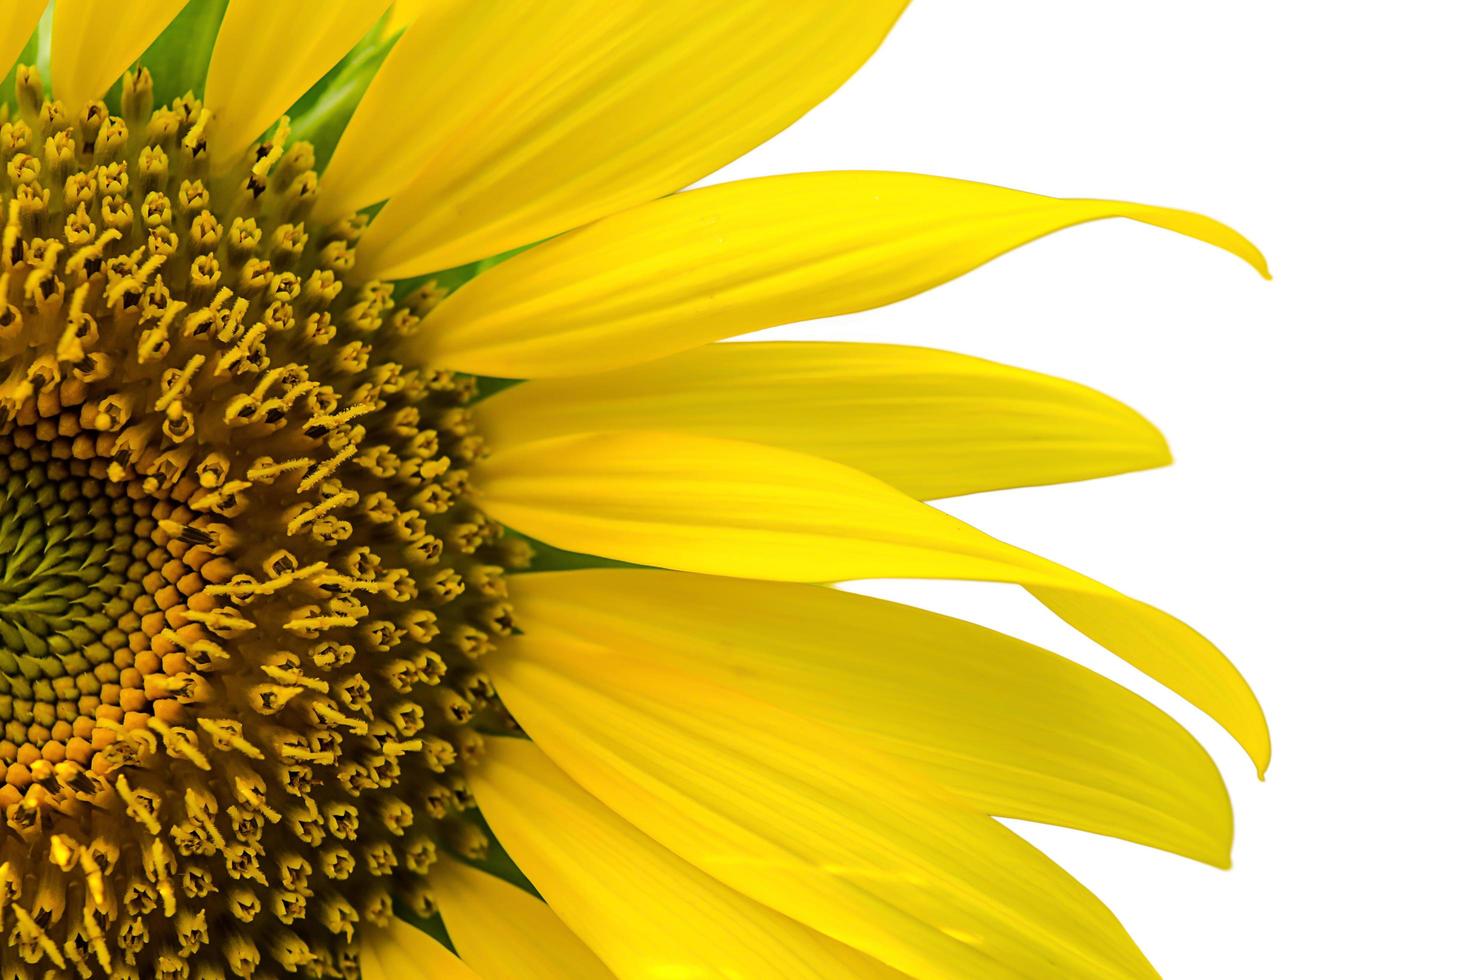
(248, 588)
(276, 678)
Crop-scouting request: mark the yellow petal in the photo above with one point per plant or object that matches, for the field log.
(93, 43)
(785, 811)
(1014, 729)
(932, 423)
(720, 261)
(504, 932)
(651, 913)
(726, 507)
(404, 952)
(17, 22)
(441, 69)
(551, 115)
(404, 12)
(268, 53)
(647, 912)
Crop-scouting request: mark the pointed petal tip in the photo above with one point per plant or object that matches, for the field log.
(761, 252)
(1235, 243)
(1189, 223)
(1256, 259)
(1250, 731)
(1258, 748)
(1158, 450)
(1219, 852)
(1204, 229)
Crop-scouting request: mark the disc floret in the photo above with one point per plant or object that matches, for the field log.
(245, 596)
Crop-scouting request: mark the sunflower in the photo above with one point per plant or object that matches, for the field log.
(400, 580)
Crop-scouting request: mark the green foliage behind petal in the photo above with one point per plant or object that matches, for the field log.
(179, 57)
(323, 112)
(27, 57)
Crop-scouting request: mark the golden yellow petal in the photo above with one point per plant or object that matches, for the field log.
(404, 952)
(441, 69)
(17, 22)
(504, 932)
(1014, 729)
(726, 507)
(648, 912)
(724, 260)
(268, 53)
(93, 43)
(932, 423)
(404, 12)
(494, 125)
(785, 811)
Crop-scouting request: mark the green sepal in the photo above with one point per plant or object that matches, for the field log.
(459, 275)
(180, 56)
(432, 927)
(548, 558)
(497, 862)
(490, 386)
(321, 114)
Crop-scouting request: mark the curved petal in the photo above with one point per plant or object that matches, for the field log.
(94, 43)
(551, 115)
(930, 422)
(404, 12)
(645, 909)
(404, 952)
(1014, 729)
(728, 259)
(801, 819)
(726, 507)
(504, 932)
(17, 22)
(268, 53)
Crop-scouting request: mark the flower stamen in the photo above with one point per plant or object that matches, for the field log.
(238, 640)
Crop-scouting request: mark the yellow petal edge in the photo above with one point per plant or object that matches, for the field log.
(729, 259)
(784, 811)
(92, 43)
(1015, 730)
(493, 125)
(725, 507)
(932, 423)
(267, 54)
(504, 932)
(403, 952)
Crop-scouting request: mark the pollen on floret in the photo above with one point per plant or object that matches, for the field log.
(243, 595)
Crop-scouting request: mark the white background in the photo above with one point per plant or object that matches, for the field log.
(1319, 522)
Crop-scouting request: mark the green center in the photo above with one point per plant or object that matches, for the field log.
(75, 549)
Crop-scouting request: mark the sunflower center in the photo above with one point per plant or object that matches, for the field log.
(242, 593)
(92, 574)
